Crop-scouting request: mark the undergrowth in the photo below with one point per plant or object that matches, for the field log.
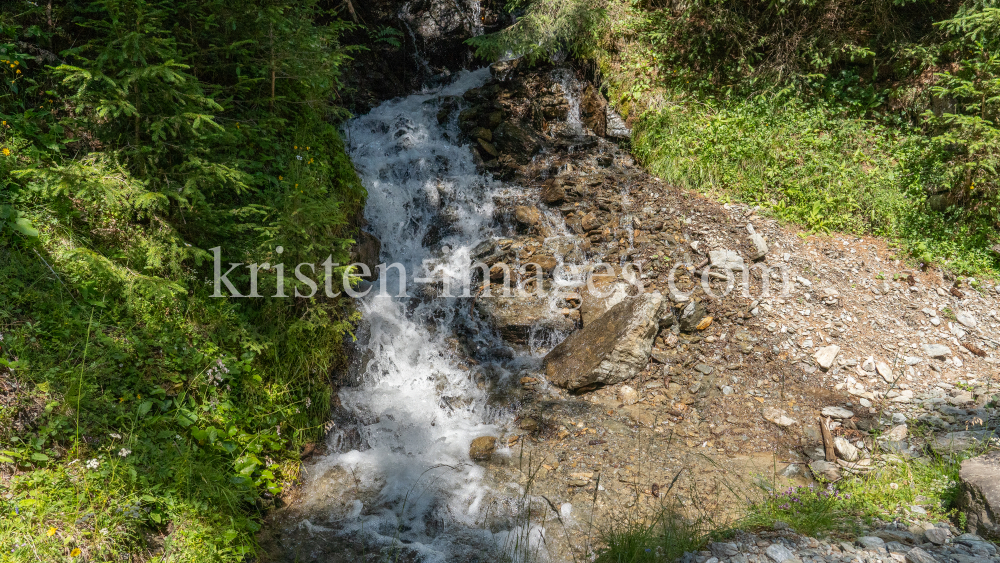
(141, 418)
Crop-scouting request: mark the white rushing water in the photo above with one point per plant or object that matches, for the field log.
(416, 408)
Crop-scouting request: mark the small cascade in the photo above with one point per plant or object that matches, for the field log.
(417, 405)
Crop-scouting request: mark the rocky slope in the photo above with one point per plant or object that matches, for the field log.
(689, 391)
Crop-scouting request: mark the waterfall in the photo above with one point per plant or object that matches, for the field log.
(416, 404)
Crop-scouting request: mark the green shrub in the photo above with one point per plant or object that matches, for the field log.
(136, 136)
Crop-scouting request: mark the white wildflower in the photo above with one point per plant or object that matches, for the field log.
(124, 452)
(115, 435)
(104, 531)
(93, 464)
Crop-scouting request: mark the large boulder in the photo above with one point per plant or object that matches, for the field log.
(608, 292)
(979, 479)
(517, 318)
(612, 349)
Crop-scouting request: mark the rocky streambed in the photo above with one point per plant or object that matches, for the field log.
(486, 424)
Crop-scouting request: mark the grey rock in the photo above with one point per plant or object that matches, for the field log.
(871, 542)
(836, 412)
(760, 246)
(917, 555)
(726, 260)
(612, 349)
(939, 351)
(979, 499)
(779, 553)
(723, 550)
(976, 543)
(954, 442)
(825, 469)
(845, 449)
(896, 547)
(704, 368)
(966, 319)
(937, 536)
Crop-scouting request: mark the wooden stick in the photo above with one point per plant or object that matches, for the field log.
(831, 454)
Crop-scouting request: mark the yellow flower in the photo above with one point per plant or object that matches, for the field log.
(121, 399)
(6, 151)
(281, 177)
(307, 148)
(51, 532)
(18, 71)
(75, 552)
(295, 146)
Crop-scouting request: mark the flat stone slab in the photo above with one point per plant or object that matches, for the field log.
(836, 412)
(955, 442)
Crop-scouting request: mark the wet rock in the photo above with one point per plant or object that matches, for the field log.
(612, 349)
(488, 148)
(836, 412)
(440, 28)
(979, 479)
(591, 222)
(519, 142)
(516, 317)
(366, 251)
(826, 355)
(778, 417)
(553, 192)
(482, 448)
(593, 110)
(617, 129)
(481, 133)
(527, 216)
